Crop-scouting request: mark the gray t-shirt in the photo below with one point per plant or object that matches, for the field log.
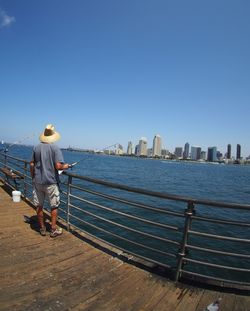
(45, 156)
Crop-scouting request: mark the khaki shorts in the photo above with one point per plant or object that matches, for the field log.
(40, 192)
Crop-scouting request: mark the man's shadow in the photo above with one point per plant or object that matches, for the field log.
(33, 222)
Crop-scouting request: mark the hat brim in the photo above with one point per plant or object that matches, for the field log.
(49, 139)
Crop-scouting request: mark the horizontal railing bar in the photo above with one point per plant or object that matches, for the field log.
(217, 252)
(12, 157)
(6, 182)
(17, 165)
(28, 183)
(219, 237)
(126, 215)
(132, 203)
(7, 166)
(122, 238)
(221, 221)
(162, 195)
(125, 227)
(209, 264)
(214, 278)
(61, 210)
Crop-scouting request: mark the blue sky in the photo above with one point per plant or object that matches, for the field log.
(112, 71)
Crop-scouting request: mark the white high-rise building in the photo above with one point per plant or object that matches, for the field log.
(157, 146)
(143, 146)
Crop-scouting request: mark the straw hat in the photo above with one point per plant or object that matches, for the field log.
(49, 135)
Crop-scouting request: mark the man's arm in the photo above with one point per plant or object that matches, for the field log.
(61, 166)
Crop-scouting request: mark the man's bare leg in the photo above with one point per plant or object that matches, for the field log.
(40, 216)
(54, 230)
(53, 218)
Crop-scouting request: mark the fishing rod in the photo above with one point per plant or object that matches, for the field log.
(100, 150)
(77, 162)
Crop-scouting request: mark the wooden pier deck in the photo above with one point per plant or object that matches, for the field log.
(66, 273)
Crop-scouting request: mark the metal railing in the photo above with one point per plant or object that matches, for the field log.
(200, 240)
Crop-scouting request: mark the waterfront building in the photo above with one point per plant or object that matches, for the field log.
(229, 151)
(164, 152)
(130, 148)
(212, 154)
(219, 156)
(137, 150)
(186, 151)
(203, 155)
(238, 152)
(143, 144)
(157, 145)
(119, 150)
(195, 153)
(150, 152)
(105, 151)
(178, 152)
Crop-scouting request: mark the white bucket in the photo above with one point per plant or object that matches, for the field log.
(16, 196)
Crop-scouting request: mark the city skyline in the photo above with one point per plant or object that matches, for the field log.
(186, 150)
(110, 71)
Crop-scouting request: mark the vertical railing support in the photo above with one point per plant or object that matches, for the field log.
(182, 252)
(68, 200)
(5, 157)
(25, 180)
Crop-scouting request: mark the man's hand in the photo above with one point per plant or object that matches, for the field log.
(32, 169)
(72, 165)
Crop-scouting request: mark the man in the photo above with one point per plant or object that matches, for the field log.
(46, 160)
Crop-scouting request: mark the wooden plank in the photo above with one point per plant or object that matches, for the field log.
(242, 303)
(207, 298)
(73, 288)
(150, 292)
(110, 295)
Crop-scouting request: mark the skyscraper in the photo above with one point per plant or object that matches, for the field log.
(137, 150)
(195, 153)
(178, 152)
(228, 151)
(238, 152)
(186, 151)
(143, 146)
(203, 155)
(212, 154)
(130, 148)
(157, 146)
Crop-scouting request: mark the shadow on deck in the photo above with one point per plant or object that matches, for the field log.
(72, 273)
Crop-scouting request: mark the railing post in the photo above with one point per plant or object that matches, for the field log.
(182, 252)
(68, 200)
(24, 180)
(5, 158)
